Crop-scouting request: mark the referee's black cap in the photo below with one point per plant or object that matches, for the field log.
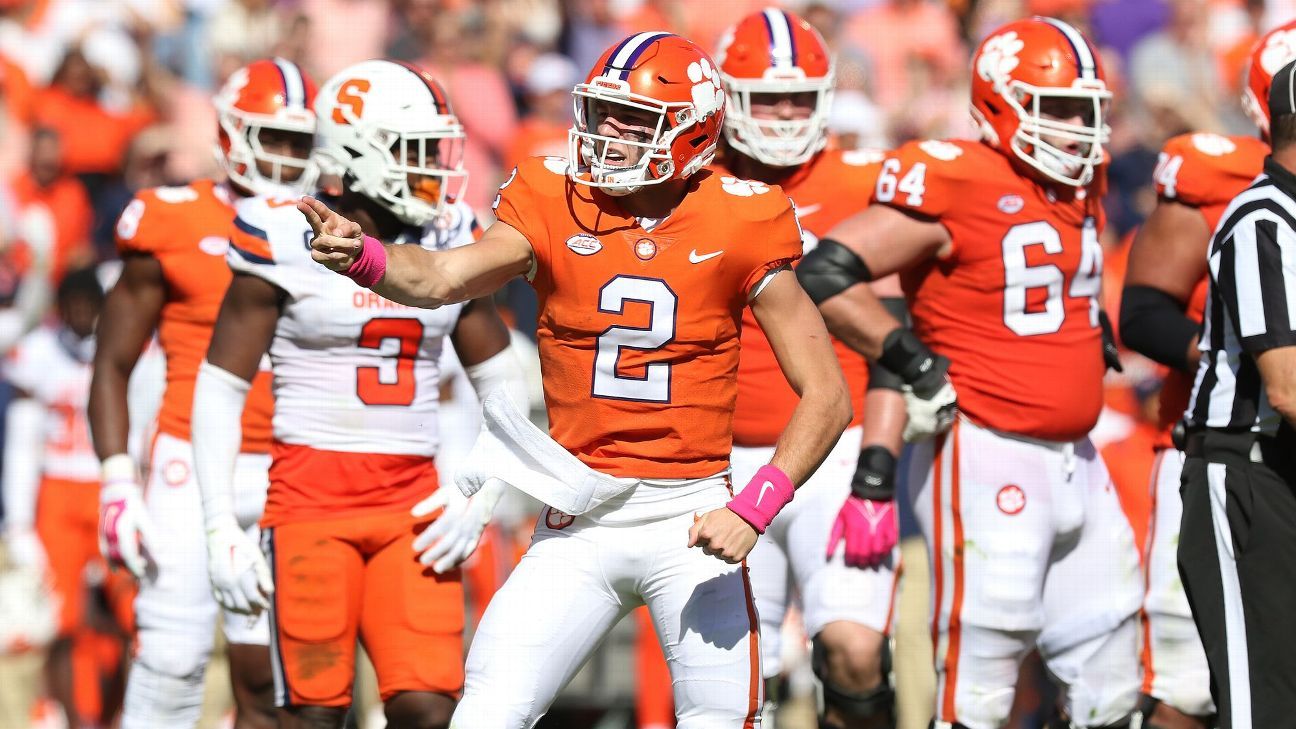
(1282, 94)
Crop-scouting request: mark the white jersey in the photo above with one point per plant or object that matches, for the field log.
(353, 372)
(54, 367)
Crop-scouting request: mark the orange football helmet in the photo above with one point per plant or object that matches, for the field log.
(775, 52)
(1275, 49)
(1039, 94)
(659, 76)
(267, 94)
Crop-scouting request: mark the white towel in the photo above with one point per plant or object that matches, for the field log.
(510, 448)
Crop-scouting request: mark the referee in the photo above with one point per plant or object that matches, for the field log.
(1237, 549)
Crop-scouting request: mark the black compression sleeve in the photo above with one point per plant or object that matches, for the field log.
(1153, 324)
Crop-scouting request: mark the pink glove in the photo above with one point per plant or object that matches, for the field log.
(868, 528)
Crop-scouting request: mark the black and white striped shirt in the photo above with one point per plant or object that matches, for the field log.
(1251, 306)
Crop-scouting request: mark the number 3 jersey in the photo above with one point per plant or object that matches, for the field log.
(638, 328)
(353, 373)
(1014, 305)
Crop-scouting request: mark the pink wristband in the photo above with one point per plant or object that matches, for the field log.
(369, 268)
(765, 495)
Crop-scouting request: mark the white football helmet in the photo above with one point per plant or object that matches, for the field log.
(387, 128)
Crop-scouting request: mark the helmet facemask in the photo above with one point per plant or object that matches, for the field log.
(1042, 137)
(602, 161)
(241, 132)
(777, 142)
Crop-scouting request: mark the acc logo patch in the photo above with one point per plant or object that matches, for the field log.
(216, 246)
(583, 244)
(555, 519)
(1011, 499)
(1011, 204)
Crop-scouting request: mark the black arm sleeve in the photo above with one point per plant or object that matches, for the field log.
(829, 269)
(881, 378)
(1153, 324)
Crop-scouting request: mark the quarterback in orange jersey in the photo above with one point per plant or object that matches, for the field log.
(51, 478)
(356, 385)
(997, 245)
(172, 241)
(643, 262)
(778, 75)
(1197, 176)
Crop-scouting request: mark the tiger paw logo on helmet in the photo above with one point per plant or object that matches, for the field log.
(743, 188)
(1279, 50)
(707, 94)
(999, 56)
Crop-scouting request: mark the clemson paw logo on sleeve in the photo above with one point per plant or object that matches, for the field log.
(943, 151)
(1215, 145)
(743, 188)
(556, 165)
(1279, 50)
(707, 95)
(999, 56)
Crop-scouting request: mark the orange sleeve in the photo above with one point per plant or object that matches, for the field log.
(921, 177)
(1207, 169)
(520, 205)
(138, 230)
(780, 232)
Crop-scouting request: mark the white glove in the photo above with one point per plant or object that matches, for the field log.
(240, 577)
(452, 536)
(931, 416)
(24, 548)
(125, 529)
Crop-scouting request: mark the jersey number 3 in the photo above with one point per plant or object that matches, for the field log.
(398, 390)
(655, 385)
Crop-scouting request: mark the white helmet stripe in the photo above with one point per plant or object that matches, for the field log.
(294, 85)
(780, 38)
(1084, 56)
(621, 62)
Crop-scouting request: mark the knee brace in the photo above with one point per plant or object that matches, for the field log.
(856, 704)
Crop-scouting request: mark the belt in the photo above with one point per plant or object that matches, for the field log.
(1198, 443)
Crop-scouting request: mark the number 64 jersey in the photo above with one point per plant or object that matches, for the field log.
(1015, 304)
(639, 323)
(353, 373)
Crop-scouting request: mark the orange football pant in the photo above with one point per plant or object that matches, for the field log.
(359, 576)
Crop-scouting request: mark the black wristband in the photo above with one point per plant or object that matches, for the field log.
(881, 378)
(874, 474)
(920, 368)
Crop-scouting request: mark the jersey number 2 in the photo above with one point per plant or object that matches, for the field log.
(655, 385)
(1020, 278)
(370, 387)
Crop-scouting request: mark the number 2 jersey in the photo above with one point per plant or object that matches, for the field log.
(355, 377)
(1204, 172)
(1014, 305)
(638, 329)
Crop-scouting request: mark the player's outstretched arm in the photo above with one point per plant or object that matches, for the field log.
(239, 574)
(1166, 262)
(130, 314)
(412, 275)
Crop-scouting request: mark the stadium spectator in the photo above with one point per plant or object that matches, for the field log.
(1175, 80)
(543, 131)
(46, 182)
(886, 32)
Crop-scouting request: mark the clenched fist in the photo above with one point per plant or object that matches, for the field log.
(723, 535)
(337, 242)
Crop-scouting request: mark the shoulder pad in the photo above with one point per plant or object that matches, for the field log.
(1207, 169)
(268, 230)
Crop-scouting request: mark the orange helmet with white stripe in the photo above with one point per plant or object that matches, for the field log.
(266, 95)
(1039, 94)
(769, 54)
(673, 86)
(1275, 49)
(387, 128)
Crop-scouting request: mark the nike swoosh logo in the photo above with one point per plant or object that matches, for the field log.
(808, 209)
(764, 487)
(695, 258)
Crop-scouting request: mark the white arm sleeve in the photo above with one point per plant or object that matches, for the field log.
(502, 370)
(218, 402)
(24, 448)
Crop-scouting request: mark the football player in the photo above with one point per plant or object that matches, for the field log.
(1196, 178)
(997, 245)
(51, 475)
(172, 241)
(356, 390)
(643, 262)
(779, 78)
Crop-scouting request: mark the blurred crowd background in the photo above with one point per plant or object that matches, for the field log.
(101, 98)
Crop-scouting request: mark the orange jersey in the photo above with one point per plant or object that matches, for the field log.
(829, 188)
(1202, 171)
(1014, 304)
(187, 229)
(638, 329)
